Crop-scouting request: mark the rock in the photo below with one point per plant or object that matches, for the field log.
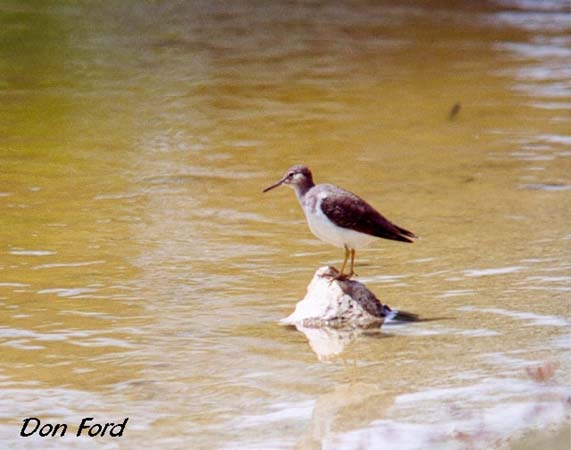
(337, 304)
(334, 313)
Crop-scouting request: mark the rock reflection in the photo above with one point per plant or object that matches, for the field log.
(328, 343)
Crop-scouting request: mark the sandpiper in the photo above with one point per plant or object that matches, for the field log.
(340, 217)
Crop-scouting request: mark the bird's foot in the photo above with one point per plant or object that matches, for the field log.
(340, 277)
(344, 276)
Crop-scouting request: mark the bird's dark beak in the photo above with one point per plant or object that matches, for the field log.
(275, 185)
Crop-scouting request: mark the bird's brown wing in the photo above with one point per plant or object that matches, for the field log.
(350, 211)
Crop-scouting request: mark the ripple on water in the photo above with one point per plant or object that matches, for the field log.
(64, 265)
(492, 271)
(457, 293)
(22, 252)
(67, 292)
(532, 318)
(549, 187)
(278, 413)
(436, 330)
(16, 285)
(549, 281)
(32, 340)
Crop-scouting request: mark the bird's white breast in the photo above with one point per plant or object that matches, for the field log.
(327, 231)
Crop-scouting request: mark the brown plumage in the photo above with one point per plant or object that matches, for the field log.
(350, 211)
(340, 217)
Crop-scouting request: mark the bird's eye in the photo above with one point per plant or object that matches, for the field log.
(290, 175)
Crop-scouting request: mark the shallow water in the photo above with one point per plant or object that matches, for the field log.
(143, 273)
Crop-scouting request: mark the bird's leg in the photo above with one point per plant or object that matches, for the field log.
(352, 272)
(341, 275)
(344, 262)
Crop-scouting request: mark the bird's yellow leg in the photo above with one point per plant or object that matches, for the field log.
(341, 274)
(352, 272)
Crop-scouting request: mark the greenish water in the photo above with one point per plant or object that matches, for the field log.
(143, 273)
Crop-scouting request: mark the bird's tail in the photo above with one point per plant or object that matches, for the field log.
(405, 235)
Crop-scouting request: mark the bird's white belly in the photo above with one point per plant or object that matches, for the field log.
(327, 231)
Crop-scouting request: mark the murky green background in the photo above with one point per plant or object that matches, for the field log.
(142, 272)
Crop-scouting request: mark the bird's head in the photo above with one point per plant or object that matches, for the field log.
(297, 177)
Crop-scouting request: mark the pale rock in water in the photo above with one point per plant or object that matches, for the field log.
(334, 313)
(337, 303)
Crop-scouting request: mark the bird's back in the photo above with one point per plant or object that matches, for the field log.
(348, 210)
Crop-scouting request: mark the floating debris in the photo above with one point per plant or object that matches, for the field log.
(454, 111)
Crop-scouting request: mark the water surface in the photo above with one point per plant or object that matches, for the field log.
(143, 273)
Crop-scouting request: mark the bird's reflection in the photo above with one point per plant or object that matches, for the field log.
(348, 407)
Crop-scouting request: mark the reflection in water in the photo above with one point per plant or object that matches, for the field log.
(143, 274)
(328, 343)
(346, 409)
(341, 418)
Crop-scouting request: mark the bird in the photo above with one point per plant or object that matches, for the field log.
(339, 217)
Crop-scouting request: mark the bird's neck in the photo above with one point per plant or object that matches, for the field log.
(302, 188)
